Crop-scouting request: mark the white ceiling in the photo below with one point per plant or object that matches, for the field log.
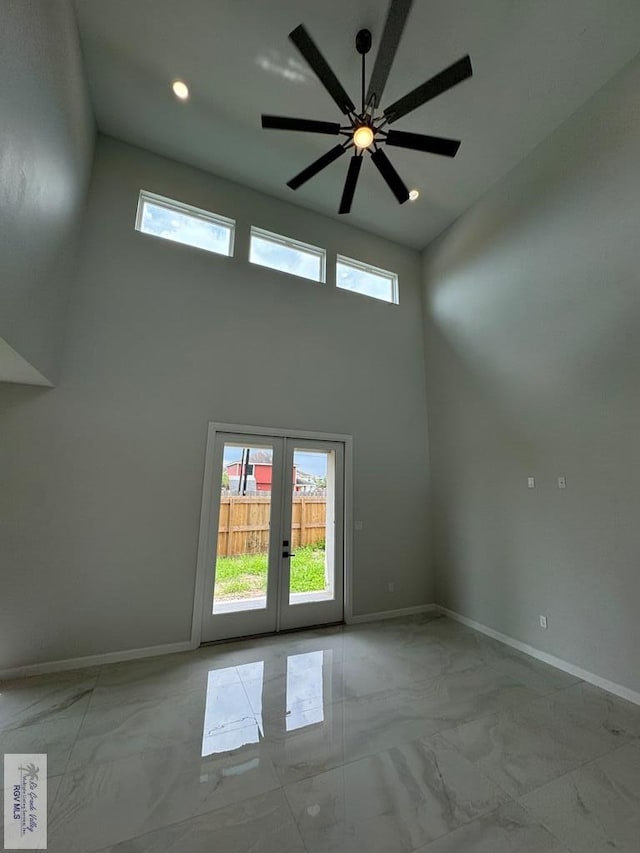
(535, 62)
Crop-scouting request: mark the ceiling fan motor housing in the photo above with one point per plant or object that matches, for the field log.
(363, 41)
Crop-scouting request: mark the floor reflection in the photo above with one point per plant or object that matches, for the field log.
(229, 720)
(304, 699)
(246, 703)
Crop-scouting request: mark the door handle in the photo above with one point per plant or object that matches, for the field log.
(285, 544)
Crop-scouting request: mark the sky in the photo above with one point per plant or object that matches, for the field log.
(284, 258)
(183, 228)
(310, 463)
(361, 281)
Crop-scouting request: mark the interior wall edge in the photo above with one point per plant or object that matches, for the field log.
(620, 690)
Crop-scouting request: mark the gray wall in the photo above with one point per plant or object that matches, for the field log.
(100, 507)
(46, 143)
(533, 364)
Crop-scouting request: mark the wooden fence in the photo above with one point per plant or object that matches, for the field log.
(243, 526)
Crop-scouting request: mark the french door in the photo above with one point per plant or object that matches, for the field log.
(275, 552)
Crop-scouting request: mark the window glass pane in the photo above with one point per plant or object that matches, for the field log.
(242, 561)
(200, 228)
(360, 278)
(280, 253)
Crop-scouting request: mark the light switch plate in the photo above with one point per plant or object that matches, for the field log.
(531, 482)
(543, 622)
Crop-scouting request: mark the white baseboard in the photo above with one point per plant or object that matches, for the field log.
(390, 614)
(187, 645)
(167, 649)
(95, 660)
(604, 683)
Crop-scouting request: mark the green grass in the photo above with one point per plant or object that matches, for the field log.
(246, 576)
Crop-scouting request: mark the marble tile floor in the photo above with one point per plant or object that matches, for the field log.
(413, 735)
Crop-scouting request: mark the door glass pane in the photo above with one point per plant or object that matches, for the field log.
(242, 556)
(312, 576)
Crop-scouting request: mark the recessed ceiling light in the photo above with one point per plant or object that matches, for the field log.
(180, 89)
(413, 195)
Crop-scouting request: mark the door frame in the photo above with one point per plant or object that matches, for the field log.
(204, 536)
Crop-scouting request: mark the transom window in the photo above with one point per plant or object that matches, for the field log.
(367, 280)
(287, 255)
(182, 223)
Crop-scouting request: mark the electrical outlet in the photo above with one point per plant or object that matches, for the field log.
(531, 482)
(562, 482)
(391, 587)
(358, 525)
(543, 622)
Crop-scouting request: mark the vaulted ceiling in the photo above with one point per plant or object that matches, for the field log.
(535, 62)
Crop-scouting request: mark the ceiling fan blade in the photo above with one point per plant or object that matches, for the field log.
(303, 124)
(317, 166)
(305, 44)
(393, 179)
(350, 184)
(422, 142)
(394, 25)
(443, 81)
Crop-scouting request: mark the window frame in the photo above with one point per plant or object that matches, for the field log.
(370, 268)
(194, 212)
(290, 243)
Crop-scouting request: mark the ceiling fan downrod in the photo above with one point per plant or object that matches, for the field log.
(363, 46)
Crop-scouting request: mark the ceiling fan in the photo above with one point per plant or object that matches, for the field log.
(366, 131)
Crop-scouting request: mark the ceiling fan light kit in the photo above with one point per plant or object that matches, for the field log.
(366, 130)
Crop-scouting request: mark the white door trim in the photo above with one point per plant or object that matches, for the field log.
(204, 548)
